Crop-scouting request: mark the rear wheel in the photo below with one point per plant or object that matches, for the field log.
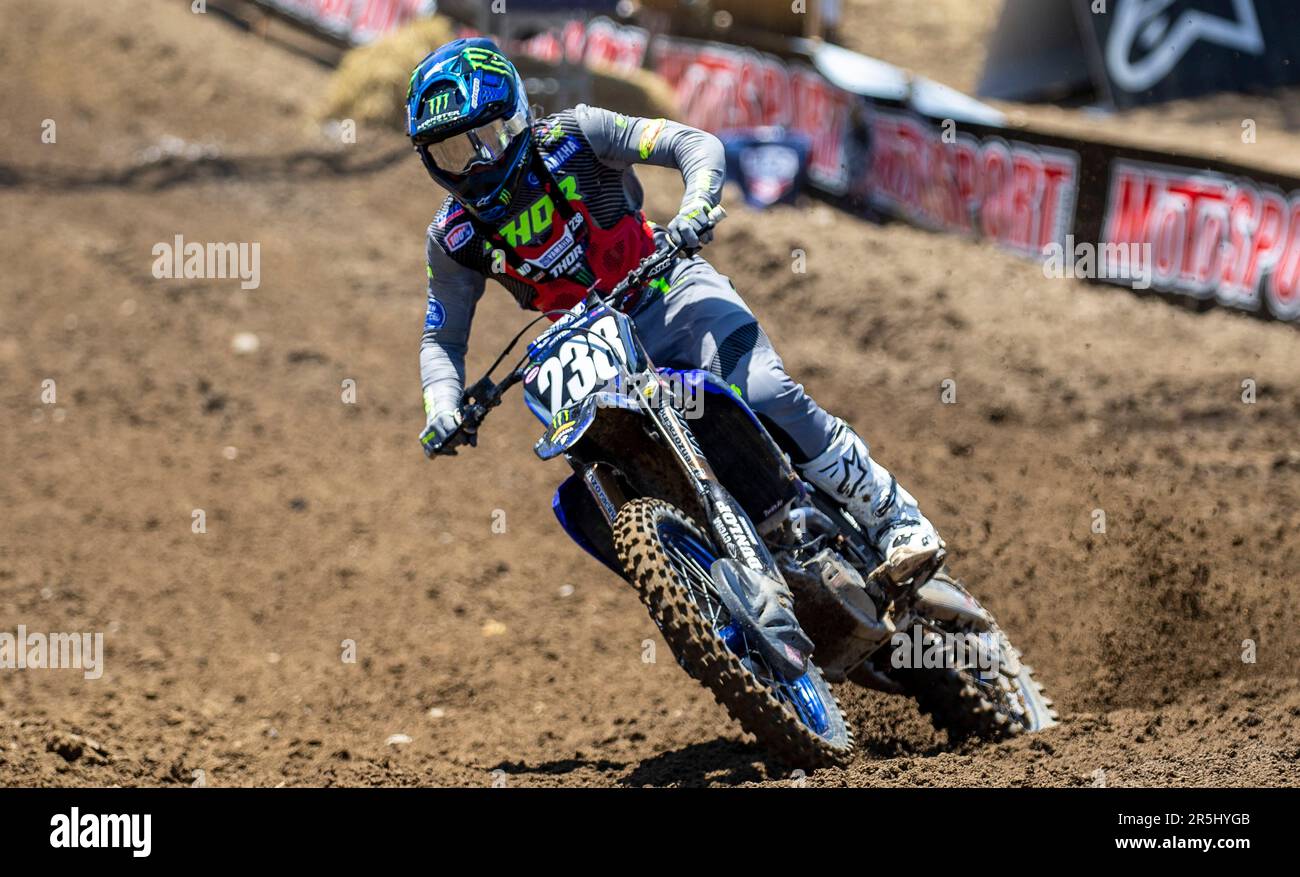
(1004, 701)
(668, 558)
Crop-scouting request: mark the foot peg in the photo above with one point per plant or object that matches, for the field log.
(906, 571)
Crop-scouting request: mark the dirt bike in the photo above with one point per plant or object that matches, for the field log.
(674, 504)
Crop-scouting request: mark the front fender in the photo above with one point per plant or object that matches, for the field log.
(569, 424)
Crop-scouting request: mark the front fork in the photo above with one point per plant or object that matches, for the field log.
(727, 521)
(731, 527)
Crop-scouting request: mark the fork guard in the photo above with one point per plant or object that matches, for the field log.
(753, 601)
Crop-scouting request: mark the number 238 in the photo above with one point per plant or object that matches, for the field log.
(580, 365)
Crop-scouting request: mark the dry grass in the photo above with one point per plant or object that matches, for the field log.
(370, 84)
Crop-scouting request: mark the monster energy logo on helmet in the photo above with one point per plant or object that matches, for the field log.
(480, 58)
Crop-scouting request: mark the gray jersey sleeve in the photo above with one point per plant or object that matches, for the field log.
(453, 293)
(620, 141)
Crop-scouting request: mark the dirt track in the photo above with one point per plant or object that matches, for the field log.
(223, 648)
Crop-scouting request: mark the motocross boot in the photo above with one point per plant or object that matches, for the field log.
(887, 513)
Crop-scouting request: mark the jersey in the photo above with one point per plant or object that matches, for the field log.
(575, 220)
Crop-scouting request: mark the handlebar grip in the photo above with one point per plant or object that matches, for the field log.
(465, 433)
(461, 437)
(717, 214)
(471, 417)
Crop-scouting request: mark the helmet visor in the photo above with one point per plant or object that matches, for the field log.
(485, 145)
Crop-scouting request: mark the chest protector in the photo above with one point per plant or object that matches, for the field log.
(575, 255)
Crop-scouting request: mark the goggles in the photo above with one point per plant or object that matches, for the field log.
(485, 145)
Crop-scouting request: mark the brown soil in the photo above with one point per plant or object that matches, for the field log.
(224, 648)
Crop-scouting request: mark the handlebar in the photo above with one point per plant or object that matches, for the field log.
(484, 395)
(476, 402)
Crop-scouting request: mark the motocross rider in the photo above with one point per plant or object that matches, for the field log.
(548, 207)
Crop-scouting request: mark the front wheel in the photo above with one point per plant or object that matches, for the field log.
(667, 558)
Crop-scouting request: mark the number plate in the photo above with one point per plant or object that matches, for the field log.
(573, 359)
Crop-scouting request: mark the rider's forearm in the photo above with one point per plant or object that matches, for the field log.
(698, 155)
(626, 140)
(702, 161)
(453, 292)
(442, 375)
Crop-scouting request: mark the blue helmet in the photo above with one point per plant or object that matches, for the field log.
(468, 116)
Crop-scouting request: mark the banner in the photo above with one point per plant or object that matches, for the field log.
(1214, 234)
(881, 142)
(1154, 50)
(726, 88)
(353, 21)
(599, 43)
(1021, 195)
(875, 140)
(1204, 231)
(769, 165)
(1132, 52)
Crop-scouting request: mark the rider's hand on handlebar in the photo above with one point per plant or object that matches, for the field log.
(693, 227)
(445, 431)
